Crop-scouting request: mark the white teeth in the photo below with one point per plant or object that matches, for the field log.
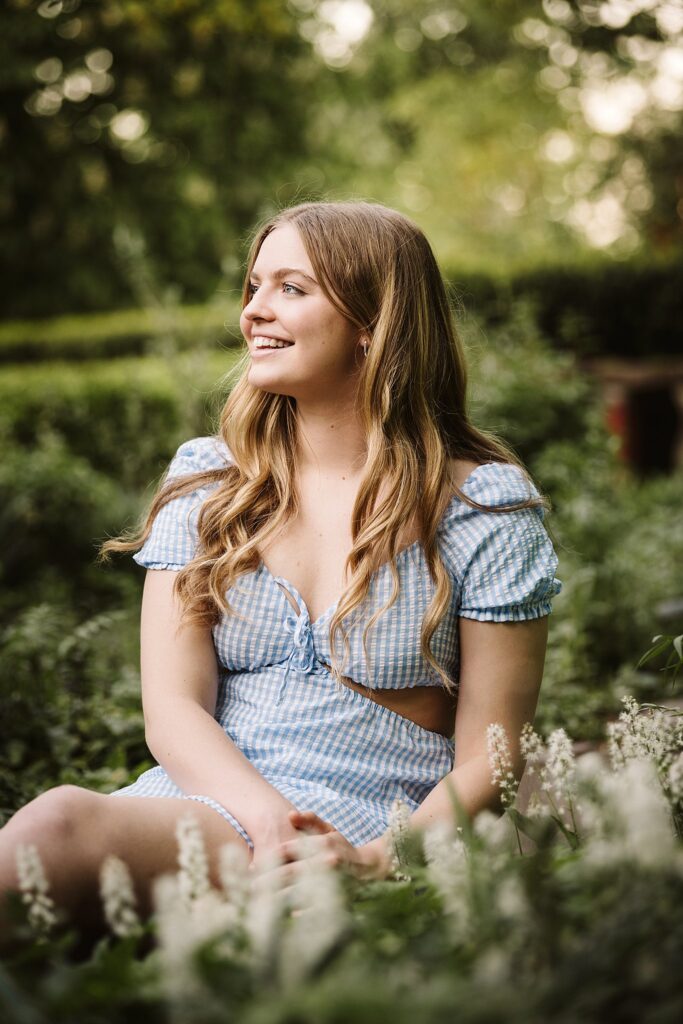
(260, 342)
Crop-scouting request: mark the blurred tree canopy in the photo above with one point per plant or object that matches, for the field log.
(537, 128)
(168, 119)
(514, 132)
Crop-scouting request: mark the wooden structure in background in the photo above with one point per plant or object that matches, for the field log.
(644, 408)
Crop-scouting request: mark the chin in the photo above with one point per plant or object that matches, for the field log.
(273, 387)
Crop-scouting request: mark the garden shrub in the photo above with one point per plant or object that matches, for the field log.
(619, 538)
(55, 509)
(522, 389)
(126, 417)
(119, 333)
(632, 310)
(620, 544)
(70, 697)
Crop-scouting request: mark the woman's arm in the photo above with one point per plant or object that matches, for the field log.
(179, 675)
(501, 669)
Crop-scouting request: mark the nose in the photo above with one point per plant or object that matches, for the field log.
(257, 308)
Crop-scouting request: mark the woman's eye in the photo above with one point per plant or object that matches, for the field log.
(251, 288)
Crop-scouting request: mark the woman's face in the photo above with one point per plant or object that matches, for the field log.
(288, 303)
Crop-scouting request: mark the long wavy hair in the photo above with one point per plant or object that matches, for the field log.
(377, 268)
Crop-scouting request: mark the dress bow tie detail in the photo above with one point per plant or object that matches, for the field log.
(302, 655)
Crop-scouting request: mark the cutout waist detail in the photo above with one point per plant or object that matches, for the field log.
(430, 707)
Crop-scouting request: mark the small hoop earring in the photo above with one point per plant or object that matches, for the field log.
(364, 346)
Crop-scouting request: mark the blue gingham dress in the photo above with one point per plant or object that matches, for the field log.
(325, 746)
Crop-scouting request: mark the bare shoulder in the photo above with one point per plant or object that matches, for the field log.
(460, 469)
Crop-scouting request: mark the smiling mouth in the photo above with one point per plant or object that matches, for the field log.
(263, 344)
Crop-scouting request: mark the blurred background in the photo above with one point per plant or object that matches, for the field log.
(538, 146)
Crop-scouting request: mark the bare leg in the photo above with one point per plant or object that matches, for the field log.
(74, 829)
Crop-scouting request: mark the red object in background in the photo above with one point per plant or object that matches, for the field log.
(643, 407)
(617, 422)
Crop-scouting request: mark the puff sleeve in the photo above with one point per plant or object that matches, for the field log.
(173, 538)
(505, 562)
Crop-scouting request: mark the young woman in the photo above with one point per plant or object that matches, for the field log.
(346, 563)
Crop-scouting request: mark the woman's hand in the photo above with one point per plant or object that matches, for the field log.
(274, 830)
(371, 860)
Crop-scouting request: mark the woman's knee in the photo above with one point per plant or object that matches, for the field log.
(62, 815)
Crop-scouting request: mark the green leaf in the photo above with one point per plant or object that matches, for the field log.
(538, 829)
(571, 837)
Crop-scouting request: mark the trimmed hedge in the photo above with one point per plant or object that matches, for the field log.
(605, 309)
(120, 333)
(124, 416)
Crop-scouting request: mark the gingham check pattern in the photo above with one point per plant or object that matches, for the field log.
(324, 746)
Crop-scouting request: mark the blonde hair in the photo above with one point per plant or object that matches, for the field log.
(377, 268)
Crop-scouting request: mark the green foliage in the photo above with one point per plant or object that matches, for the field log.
(619, 539)
(593, 308)
(80, 443)
(126, 417)
(72, 698)
(121, 333)
(673, 646)
(620, 546)
(524, 390)
(188, 172)
(506, 164)
(57, 508)
(474, 928)
(181, 127)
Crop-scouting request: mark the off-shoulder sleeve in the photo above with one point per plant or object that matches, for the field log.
(505, 563)
(173, 538)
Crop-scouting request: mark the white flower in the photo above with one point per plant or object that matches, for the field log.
(182, 929)
(265, 913)
(176, 939)
(510, 898)
(34, 889)
(492, 966)
(494, 832)
(590, 766)
(655, 734)
(532, 748)
(535, 807)
(560, 768)
(398, 833)
(118, 897)
(630, 819)
(193, 877)
(500, 762)
(319, 918)
(190, 913)
(447, 860)
(674, 780)
(233, 863)
(438, 839)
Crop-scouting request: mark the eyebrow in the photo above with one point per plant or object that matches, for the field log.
(277, 275)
